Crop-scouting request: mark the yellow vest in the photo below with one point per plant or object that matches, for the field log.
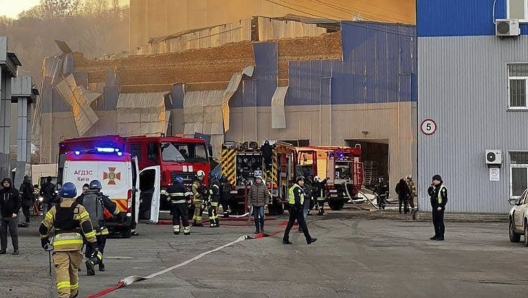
(291, 195)
(440, 194)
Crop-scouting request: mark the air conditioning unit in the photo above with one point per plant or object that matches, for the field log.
(507, 27)
(493, 157)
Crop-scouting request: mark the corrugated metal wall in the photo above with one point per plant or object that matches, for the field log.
(464, 89)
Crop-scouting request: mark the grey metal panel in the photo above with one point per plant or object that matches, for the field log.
(58, 104)
(81, 78)
(111, 94)
(463, 87)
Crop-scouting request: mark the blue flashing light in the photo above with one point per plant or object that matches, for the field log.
(119, 153)
(107, 150)
(77, 152)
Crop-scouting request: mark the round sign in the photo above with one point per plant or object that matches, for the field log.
(428, 127)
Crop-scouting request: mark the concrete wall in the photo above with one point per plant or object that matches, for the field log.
(156, 18)
(463, 87)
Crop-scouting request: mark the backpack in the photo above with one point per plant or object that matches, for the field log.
(93, 203)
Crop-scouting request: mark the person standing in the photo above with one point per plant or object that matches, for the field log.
(258, 197)
(212, 201)
(307, 200)
(10, 204)
(179, 199)
(320, 189)
(67, 219)
(47, 191)
(296, 201)
(403, 191)
(438, 193)
(28, 199)
(198, 190)
(412, 188)
(96, 203)
(225, 195)
(381, 193)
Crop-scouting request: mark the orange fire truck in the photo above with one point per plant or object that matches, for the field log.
(277, 162)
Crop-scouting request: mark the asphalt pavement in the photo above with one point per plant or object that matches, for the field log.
(353, 257)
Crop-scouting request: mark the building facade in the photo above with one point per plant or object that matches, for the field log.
(472, 90)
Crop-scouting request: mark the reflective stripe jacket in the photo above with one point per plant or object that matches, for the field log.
(178, 193)
(197, 189)
(68, 240)
(438, 196)
(296, 196)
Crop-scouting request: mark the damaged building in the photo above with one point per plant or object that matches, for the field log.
(306, 81)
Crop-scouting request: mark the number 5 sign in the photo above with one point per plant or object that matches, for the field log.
(428, 127)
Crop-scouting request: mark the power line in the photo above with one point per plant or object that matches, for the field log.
(351, 23)
(374, 16)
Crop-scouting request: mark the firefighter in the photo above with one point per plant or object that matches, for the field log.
(197, 190)
(295, 201)
(98, 206)
(67, 219)
(225, 195)
(179, 198)
(320, 186)
(212, 201)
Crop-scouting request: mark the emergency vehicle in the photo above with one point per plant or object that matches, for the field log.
(240, 161)
(345, 172)
(174, 156)
(118, 173)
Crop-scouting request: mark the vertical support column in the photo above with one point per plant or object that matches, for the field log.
(5, 123)
(22, 137)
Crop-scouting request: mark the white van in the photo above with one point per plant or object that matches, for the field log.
(117, 173)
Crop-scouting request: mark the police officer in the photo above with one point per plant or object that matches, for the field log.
(438, 193)
(95, 203)
(212, 202)
(67, 219)
(320, 189)
(197, 190)
(295, 201)
(179, 198)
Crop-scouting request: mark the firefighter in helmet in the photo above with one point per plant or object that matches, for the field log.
(212, 202)
(68, 218)
(320, 193)
(198, 197)
(179, 199)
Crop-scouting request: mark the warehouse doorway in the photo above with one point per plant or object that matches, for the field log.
(375, 158)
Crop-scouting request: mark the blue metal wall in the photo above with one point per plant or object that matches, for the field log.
(459, 18)
(379, 66)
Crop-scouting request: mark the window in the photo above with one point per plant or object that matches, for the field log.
(135, 150)
(517, 85)
(179, 152)
(518, 173)
(518, 9)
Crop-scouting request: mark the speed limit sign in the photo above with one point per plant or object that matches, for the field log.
(428, 127)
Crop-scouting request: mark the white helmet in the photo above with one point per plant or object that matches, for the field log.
(317, 179)
(200, 174)
(409, 177)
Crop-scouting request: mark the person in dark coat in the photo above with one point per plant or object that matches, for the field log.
(47, 191)
(10, 204)
(404, 192)
(28, 198)
(438, 193)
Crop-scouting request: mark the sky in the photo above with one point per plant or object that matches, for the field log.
(12, 8)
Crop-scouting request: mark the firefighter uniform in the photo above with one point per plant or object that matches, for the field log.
(67, 219)
(320, 190)
(214, 197)
(179, 199)
(296, 201)
(197, 190)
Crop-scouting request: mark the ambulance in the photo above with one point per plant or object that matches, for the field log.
(122, 182)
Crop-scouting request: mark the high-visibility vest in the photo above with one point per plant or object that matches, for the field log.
(291, 195)
(440, 194)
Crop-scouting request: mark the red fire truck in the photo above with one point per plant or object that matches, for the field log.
(171, 156)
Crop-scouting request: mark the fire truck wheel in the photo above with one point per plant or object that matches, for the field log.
(126, 233)
(336, 205)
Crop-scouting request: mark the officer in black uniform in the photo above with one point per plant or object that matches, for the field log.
(295, 202)
(438, 193)
(179, 198)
